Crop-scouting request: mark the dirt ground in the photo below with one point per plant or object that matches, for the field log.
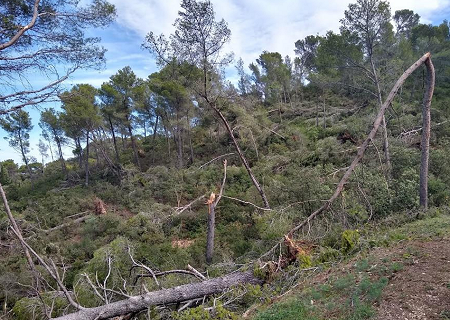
(421, 290)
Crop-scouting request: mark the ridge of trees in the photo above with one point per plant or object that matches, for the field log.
(143, 134)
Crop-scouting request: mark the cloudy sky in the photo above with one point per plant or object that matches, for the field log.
(256, 25)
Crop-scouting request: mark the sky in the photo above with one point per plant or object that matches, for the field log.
(256, 25)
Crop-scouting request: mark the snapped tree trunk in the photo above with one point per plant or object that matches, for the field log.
(164, 297)
(425, 59)
(210, 234)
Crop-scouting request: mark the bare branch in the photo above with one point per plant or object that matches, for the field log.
(143, 266)
(247, 202)
(223, 183)
(216, 158)
(180, 210)
(198, 274)
(22, 30)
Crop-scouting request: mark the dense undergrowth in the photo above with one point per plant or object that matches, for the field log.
(298, 172)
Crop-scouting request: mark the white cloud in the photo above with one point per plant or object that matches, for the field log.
(259, 25)
(256, 25)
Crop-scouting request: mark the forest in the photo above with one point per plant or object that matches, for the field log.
(188, 196)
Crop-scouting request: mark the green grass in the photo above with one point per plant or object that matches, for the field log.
(290, 310)
(351, 296)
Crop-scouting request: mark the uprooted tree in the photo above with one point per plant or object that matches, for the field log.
(185, 293)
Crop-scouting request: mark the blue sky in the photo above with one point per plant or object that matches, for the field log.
(256, 25)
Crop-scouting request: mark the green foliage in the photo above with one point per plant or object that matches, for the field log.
(31, 308)
(349, 240)
(18, 126)
(199, 313)
(406, 196)
(290, 310)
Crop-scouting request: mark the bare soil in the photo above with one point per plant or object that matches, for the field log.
(421, 290)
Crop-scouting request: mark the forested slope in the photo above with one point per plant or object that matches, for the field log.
(184, 177)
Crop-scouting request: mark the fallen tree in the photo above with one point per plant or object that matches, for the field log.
(164, 297)
(423, 185)
(187, 292)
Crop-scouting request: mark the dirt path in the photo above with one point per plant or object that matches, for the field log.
(421, 290)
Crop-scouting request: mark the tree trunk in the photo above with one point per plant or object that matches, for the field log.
(164, 297)
(387, 155)
(86, 165)
(425, 144)
(241, 155)
(178, 139)
(155, 128)
(114, 139)
(61, 158)
(168, 142)
(24, 157)
(80, 152)
(210, 235)
(133, 145)
(191, 148)
(427, 100)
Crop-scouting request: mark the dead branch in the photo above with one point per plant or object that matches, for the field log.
(22, 30)
(67, 224)
(216, 158)
(143, 266)
(163, 297)
(415, 131)
(223, 182)
(247, 202)
(180, 210)
(198, 274)
(427, 100)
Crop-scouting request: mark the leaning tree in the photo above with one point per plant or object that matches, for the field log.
(199, 39)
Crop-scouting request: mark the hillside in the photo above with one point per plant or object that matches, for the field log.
(317, 187)
(397, 273)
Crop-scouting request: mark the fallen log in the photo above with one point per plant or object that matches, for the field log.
(164, 297)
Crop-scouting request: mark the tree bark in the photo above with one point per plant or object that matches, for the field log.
(425, 144)
(376, 125)
(210, 234)
(163, 297)
(133, 145)
(111, 127)
(86, 164)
